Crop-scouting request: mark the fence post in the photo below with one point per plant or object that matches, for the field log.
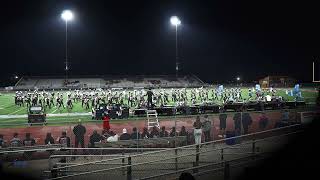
(194, 170)
(253, 149)
(129, 173)
(222, 154)
(226, 171)
(123, 170)
(176, 159)
(197, 156)
(54, 172)
(71, 139)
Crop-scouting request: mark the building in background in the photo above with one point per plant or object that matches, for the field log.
(277, 81)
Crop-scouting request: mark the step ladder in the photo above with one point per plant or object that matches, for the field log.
(152, 116)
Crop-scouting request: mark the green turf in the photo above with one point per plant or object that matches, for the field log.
(7, 106)
(71, 120)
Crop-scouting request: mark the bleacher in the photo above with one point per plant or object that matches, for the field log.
(165, 81)
(27, 83)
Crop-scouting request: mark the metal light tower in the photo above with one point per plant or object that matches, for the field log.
(67, 15)
(238, 81)
(176, 22)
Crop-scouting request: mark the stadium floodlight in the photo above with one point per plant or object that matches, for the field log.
(238, 78)
(176, 22)
(67, 15)
(16, 77)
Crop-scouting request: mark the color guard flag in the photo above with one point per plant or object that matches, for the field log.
(258, 87)
(220, 88)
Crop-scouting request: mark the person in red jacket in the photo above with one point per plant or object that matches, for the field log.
(106, 122)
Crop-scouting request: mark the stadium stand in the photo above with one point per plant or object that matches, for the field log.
(108, 82)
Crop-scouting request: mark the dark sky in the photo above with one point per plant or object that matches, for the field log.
(218, 40)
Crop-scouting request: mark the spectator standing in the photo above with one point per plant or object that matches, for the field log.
(237, 122)
(135, 134)
(197, 130)
(125, 135)
(185, 133)
(284, 120)
(263, 121)
(246, 122)
(163, 132)
(15, 141)
(79, 131)
(154, 133)
(223, 124)
(49, 139)
(106, 122)
(285, 116)
(207, 129)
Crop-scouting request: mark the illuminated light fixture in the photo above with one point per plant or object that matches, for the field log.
(67, 15)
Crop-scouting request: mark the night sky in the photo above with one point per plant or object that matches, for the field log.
(218, 40)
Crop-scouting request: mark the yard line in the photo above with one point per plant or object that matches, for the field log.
(11, 120)
(54, 111)
(16, 111)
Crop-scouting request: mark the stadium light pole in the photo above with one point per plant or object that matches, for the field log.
(175, 21)
(238, 80)
(67, 15)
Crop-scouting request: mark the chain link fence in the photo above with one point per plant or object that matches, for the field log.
(169, 163)
(220, 126)
(116, 161)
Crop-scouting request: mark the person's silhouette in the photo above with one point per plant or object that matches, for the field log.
(186, 176)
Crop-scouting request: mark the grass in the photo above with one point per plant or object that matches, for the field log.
(7, 107)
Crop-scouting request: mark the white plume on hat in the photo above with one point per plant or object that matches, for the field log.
(124, 130)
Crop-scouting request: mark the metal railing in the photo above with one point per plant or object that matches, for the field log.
(180, 159)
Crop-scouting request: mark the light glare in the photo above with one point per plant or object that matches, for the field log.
(175, 21)
(67, 15)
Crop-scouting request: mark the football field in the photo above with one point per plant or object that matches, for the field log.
(13, 116)
(7, 106)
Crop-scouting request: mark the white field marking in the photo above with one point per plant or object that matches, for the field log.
(63, 115)
(17, 111)
(11, 120)
(54, 111)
